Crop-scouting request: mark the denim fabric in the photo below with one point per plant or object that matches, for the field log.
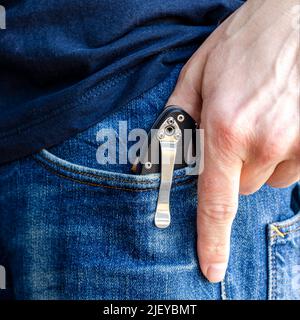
(66, 64)
(72, 229)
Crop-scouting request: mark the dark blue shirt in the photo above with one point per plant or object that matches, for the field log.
(65, 64)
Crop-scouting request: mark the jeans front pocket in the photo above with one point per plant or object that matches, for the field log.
(284, 259)
(105, 237)
(92, 236)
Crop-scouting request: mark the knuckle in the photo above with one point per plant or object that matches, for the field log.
(223, 126)
(274, 145)
(225, 134)
(270, 151)
(297, 152)
(185, 74)
(219, 214)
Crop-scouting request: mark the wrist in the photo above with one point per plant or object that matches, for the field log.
(280, 15)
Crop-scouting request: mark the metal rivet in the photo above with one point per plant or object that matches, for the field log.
(177, 136)
(161, 135)
(148, 165)
(180, 118)
(171, 121)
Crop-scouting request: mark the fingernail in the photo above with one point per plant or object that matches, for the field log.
(216, 272)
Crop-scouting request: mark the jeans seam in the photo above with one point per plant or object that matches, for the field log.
(286, 233)
(275, 272)
(287, 225)
(107, 186)
(280, 226)
(223, 290)
(272, 270)
(97, 176)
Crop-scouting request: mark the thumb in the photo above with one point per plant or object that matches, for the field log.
(187, 92)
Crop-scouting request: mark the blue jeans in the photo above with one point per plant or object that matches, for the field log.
(73, 229)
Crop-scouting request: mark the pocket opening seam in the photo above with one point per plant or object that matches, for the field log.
(107, 186)
(285, 233)
(287, 225)
(99, 175)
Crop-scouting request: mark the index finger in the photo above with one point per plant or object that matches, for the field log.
(218, 191)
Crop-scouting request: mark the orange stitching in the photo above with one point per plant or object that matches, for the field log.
(286, 233)
(278, 231)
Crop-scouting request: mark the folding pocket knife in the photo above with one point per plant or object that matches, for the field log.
(171, 145)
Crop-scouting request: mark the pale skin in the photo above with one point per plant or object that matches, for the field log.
(243, 86)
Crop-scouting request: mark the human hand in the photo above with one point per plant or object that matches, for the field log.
(243, 86)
